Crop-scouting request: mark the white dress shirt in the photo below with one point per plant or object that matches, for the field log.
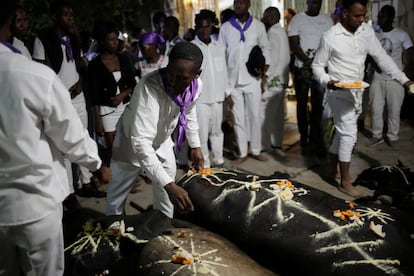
(147, 124)
(37, 124)
(344, 54)
(21, 47)
(238, 51)
(214, 71)
(280, 55)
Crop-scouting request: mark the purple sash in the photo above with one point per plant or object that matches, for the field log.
(236, 25)
(68, 47)
(183, 100)
(10, 46)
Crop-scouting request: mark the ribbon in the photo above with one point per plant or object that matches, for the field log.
(152, 38)
(183, 100)
(68, 46)
(10, 46)
(236, 25)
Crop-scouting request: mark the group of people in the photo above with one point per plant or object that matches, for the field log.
(172, 99)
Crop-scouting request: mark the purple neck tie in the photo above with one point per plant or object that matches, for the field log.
(10, 46)
(68, 47)
(236, 25)
(183, 100)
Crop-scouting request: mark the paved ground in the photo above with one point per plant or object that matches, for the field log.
(302, 168)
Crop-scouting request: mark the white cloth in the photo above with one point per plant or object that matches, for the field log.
(245, 89)
(280, 58)
(110, 115)
(213, 72)
(210, 103)
(238, 51)
(146, 67)
(386, 91)
(394, 42)
(344, 54)
(69, 76)
(310, 30)
(37, 124)
(18, 44)
(144, 131)
(35, 248)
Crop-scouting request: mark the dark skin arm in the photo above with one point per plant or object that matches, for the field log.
(179, 198)
(297, 50)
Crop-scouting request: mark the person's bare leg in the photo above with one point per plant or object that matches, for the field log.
(346, 181)
(332, 168)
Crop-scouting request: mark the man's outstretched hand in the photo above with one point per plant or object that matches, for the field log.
(179, 198)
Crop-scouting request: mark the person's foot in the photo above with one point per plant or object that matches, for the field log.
(351, 191)
(375, 141)
(260, 157)
(239, 160)
(395, 145)
(89, 190)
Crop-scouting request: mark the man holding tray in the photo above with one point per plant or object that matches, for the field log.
(343, 51)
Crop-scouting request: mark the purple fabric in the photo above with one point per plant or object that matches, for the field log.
(10, 46)
(338, 10)
(236, 25)
(68, 46)
(152, 38)
(183, 100)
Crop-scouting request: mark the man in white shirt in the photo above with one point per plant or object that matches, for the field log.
(240, 34)
(37, 124)
(385, 91)
(305, 32)
(59, 48)
(273, 99)
(215, 89)
(343, 51)
(162, 100)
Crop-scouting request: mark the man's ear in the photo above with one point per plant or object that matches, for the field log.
(198, 74)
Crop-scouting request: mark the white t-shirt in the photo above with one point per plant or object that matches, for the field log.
(394, 42)
(310, 30)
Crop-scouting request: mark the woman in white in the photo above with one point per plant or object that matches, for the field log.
(150, 44)
(111, 81)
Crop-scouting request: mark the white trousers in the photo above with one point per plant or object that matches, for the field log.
(387, 93)
(210, 117)
(272, 117)
(345, 114)
(84, 174)
(247, 124)
(124, 175)
(34, 248)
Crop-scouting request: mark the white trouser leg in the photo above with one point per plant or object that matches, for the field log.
(252, 101)
(203, 117)
(80, 106)
(68, 168)
(240, 121)
(377, 97)
(266, 115)
(123, 178)
(216, 135)
(394, 97)
(36, 248)
(345, 120)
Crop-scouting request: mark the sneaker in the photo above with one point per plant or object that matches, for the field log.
(375, 141)
(91, 191)
(394, 145)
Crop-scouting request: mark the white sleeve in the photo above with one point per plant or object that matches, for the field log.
(63, 126)
(321, 61)
(38, 50)
(191, 132)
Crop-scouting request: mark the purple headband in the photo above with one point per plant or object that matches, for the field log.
(338, 10)
(152, 38)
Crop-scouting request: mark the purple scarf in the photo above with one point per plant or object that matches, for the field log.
(183, 100)
(10, 46)
(152, 38)
(68, 46)
(236, 25)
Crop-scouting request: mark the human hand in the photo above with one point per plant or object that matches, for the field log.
(179, 198)
(331, 85)
(104, 174)
(197, 159)
(229, 102)
(409, 86)
(75, 89)
(116, 100)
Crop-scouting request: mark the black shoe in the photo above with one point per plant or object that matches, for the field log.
(91, 191)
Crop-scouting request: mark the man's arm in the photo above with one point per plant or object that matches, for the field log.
(294, 43)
